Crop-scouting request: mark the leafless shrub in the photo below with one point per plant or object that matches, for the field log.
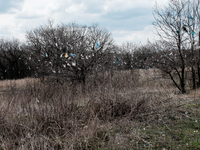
(53, 116)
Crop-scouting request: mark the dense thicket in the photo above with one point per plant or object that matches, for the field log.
(14, 63)
(67, 52)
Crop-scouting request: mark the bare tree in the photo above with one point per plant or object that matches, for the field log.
(194, 23)
(70, 51)
(169, 24)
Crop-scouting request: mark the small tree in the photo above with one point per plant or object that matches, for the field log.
(70, 51)
(169, 22)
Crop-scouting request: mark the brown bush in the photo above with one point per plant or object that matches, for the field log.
(46, 115)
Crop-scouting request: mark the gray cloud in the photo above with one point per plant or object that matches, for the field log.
(133, 20)
(95, 7)
(27, 16)
(126, 19)
(7, 5)
(128, 14)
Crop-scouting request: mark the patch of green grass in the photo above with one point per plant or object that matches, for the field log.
(181, 132)
(193, 105)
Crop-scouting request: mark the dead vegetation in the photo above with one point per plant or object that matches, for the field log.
(125, 110)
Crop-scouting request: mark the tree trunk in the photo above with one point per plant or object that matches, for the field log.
(198, 73)
(198, 66)
(193, 78)
(183, 80)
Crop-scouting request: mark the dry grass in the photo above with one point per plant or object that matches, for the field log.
(123, 111)
(6, 84)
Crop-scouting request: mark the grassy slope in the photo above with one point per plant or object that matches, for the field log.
(136, 110)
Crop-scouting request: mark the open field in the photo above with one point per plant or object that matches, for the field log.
(129, 110)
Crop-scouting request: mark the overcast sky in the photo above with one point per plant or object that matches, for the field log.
(127, 20)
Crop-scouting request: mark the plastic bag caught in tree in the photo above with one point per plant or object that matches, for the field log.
(73, 55)
(97, 45)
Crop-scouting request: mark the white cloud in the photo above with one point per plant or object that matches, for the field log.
(76, 8)
(127, 19)
(138, 37)
(121, 5)
(39, 7)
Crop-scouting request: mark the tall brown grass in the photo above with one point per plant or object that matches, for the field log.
(104, 113)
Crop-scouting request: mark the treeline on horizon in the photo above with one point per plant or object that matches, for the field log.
(69, 51)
